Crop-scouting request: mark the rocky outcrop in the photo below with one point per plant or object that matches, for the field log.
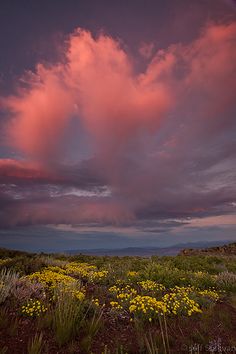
(226, 250)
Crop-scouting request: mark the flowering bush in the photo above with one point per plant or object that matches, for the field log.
(151, 286)
(132, 276)
(57, 269)
(147, 307)
(187, 300)
(176, 301)
(86, 271)
(179, 303)
(73, 290)
(124, 293)
(79, 269)
(50, 279)
(3, 262)
(33, 308)
(116, 305)
(97, 276)
(211, 294)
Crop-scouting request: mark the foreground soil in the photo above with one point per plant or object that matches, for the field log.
(213, 329)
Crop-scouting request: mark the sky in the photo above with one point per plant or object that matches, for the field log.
(117, 123)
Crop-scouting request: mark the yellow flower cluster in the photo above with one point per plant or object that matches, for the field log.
(80, 269)
(124, 293)
(51, 279)
(86, 271)
(73, 289)
(115, 305)
(4, 261)
(150, 285)
(56, 269)
(34, 308)
(97, 304)
(97, 275)
(179, 302)
(147, 307)
(210, 294)
(175, 301)
(183, 289)
(200, 274)
(132, 274)
(79, 295)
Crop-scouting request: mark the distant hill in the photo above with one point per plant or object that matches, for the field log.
(187, 249)
(147, 251)
(227, 250)
(8, 253)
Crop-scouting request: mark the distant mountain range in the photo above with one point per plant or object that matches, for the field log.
(148, 251)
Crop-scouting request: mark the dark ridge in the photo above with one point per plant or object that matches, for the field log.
(225, 250)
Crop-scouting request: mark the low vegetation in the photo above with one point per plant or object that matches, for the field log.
(84, 304)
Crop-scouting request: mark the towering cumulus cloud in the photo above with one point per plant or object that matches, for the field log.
(98, 85)
(159, 141)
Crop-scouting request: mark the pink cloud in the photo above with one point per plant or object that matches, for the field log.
(40, 114)
(54, 212)
(189, 86)
(113, 102)
(24, 170)
(97, 81)
(146, 50)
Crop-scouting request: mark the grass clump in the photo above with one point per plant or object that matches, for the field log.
(35, 345)
(66, 316)
(7, 281)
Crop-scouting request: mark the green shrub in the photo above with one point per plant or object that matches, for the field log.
(165, 275)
